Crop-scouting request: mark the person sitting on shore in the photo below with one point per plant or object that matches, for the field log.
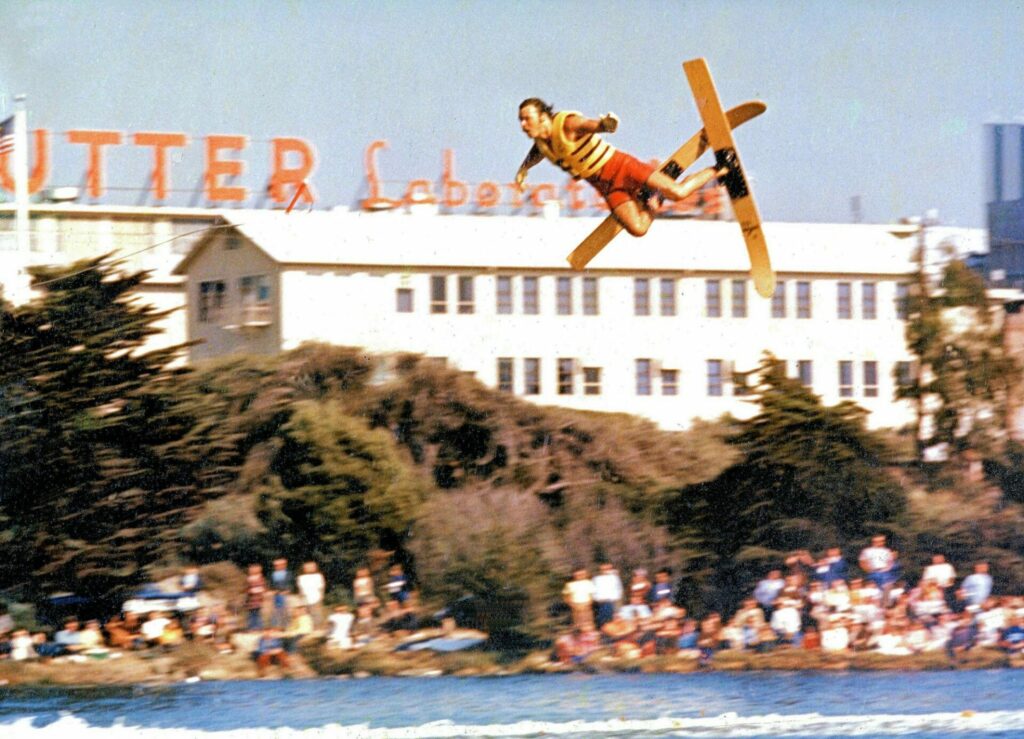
(889, 642)
(835, 637)
(22, 646)
(990, 621)
(917, 637)
(688, 638)
(340, 622)
(123, 633)
(201, 626)
(65, 641)
(152, 629)
(710, 639)
(270, 650)
(618, 629)
(666, 637)
(837, 597)
(173, 635)
(768, 590)
(811, 638)
(961, 639)
(1011, 638)
(90, 639)
(300, 629)
(786, 621)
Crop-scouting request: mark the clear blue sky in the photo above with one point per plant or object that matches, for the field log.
(885, 100)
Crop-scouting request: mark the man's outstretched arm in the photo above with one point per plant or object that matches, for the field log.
(533, 158)
(577, 125)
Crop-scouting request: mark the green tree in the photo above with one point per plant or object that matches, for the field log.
(83, 414)
(336, 490)
(808, 477)
(964, 373)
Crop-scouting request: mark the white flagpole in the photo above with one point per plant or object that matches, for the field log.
(19, 158)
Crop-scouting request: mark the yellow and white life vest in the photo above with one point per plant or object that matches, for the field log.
(581, 158)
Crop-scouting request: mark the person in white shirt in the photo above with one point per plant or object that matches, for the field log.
(311, 586)
(153, 627)
(607, 593)
(578, 594)
(340, 622)
(940, 572)
(877, 562)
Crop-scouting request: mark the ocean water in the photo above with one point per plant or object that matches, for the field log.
(797, 704)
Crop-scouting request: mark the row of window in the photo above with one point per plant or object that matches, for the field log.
(664, 291)
(253, 296)
(570, 378)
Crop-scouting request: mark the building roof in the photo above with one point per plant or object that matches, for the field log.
(427, 240)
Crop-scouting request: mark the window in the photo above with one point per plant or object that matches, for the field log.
(642, 296)
(438, 294)
(669, 382)
(504, 295)
(713, 298)
(805, 372)
(564, 300)
(212, 298)
(779, 300)
(845, 379)
(868, 301)
(668, 296)
(466, 294)
(403, 299)
(531, 301)
(643, 377)
(902, 300)
(715, 377)
(871, 379)
(903, 374)
(506, 375)
(254, 294)
(591, 380)
(531, 376)
(590, 300)
(739, 298)
(566, 369)
(803, 300)
(844, 308)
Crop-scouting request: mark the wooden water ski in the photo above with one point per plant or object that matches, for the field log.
(719, 133)
(674, 166)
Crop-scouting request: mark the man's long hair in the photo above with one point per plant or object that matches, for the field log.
(539, 104)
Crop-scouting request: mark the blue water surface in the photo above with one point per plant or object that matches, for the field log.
(406, 702)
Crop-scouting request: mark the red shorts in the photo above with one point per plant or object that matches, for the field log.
(621, 179)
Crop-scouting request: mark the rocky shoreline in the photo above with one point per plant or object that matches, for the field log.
(194, 662)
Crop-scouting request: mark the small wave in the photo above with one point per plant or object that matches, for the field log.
(726, 725)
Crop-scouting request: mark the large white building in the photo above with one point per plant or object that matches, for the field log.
(656, 326)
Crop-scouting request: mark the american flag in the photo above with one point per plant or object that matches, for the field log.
(7, 136)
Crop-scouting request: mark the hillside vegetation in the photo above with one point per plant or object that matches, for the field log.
(114, 465)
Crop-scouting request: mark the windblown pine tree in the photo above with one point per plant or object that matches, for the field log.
(86, 494)
(809, 477)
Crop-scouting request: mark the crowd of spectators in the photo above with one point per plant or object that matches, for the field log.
(278, 610)
(808, 603)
